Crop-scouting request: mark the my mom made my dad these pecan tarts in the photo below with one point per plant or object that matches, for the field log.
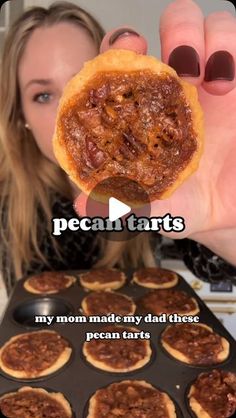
(128, 116)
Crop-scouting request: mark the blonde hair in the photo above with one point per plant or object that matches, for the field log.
(128, 252)
(24, 190)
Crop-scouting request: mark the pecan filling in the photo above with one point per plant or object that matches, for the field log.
(154, 275)
(102, 276)
(30, 404)
(166, 301)
(129, 400)
(215, 391)
(137, 125)
(119, 353)
(34, 352)
(197, 343)
(48, 281)
(102, 303)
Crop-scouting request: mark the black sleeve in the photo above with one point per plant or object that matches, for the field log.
(204, 263)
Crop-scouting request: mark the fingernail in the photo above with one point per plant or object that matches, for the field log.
(120, 33)
(220, 66)
(185, 61)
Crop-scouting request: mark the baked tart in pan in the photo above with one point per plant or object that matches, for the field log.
(30, 402)
(155, 278)
(213, 395)
(195, 344)
(107, 302)
(129, 399)
(49, 282)
(34, 354)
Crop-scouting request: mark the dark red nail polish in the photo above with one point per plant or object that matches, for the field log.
(120, 33)
(220, 66)
(185, 61)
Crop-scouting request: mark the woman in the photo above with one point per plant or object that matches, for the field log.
(50, 45)
(44, 49)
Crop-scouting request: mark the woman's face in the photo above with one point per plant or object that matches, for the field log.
(51, 57)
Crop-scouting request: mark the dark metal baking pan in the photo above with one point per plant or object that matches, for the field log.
(80, 380)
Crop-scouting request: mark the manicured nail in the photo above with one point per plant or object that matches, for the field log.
(220, 66)
(120, 33)
(185, 61)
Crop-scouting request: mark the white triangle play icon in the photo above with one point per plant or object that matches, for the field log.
(117, 209)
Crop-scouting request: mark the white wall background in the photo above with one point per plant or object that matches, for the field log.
(143, 15)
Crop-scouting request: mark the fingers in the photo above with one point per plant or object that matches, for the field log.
(124, 38)
(220, 43)
(182, 39)
(203, 51)
(80, 204)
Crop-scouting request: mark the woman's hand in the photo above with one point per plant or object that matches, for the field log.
(207, 200)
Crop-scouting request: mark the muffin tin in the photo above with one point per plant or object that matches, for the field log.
(78, 380)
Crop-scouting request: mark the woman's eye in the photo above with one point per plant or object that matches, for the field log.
(42, 97)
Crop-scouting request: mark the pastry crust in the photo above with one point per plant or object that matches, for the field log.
(152, 282)
(196, 407)
(97, 284)
(194, 311)
(93, 403)
(112, 302)
(182, 357)
(56, 396)
(24, 374)
(125, 62)
(30, 288)
(102, 365)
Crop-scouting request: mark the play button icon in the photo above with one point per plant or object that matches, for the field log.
(117, 209)
(112, 200)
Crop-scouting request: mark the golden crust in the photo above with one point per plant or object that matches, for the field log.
(102, 286)
(31, 289)
(103, 366)
(225, 352)
(60, 362)
(152, 285)
(57, 396)
(195, 311)
(181, 357)
(168, 402)
(96, 285)
(124, 61)
(196, 407)
(85, 306)
(169, 406)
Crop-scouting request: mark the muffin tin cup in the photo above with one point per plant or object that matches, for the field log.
(24, 313)
(78, 380)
